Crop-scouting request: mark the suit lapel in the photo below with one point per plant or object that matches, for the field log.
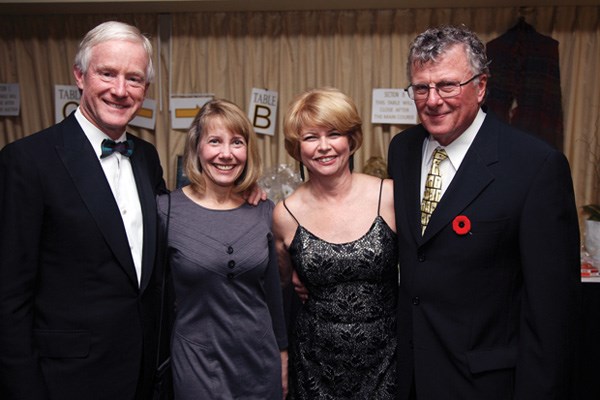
(411, 163)
(148, 203)
(88, 177)
(472, 177)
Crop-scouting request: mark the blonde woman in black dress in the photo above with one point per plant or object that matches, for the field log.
(337, 232)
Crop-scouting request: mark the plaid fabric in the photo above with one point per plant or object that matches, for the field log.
(110, 146)
(524, 88)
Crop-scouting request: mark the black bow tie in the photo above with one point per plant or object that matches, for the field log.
(110, 146)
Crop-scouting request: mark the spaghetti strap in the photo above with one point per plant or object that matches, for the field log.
(378, 204)
(288, 210)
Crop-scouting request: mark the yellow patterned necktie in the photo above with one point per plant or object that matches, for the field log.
(433, 188)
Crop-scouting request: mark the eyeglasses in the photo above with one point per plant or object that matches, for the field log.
(443, 89)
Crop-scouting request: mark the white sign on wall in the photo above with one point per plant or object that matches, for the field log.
(66, 100)
(393, 106)
(146, 115)
(262, 110)
(10, 99)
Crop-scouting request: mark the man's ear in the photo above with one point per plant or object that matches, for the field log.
(482, 88)
(79, 77)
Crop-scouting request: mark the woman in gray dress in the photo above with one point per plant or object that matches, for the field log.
(337, 232)
(229, 336)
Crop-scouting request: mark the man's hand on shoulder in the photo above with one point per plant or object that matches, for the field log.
(255, 195)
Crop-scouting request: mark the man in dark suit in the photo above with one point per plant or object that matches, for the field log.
(489, 272)
(78, 292)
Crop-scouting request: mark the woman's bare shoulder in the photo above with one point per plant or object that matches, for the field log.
(283, 213)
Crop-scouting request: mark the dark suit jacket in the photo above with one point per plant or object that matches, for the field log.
(489, 314)
(73, 322)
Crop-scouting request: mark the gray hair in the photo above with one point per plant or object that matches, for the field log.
(434, 42)
(112, 30)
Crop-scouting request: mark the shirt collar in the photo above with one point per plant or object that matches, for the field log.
(94, 135)
(458, 148)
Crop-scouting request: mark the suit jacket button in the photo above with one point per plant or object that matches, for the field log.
(415, 301)
(229, 250)
(421, 256)
(231, 264)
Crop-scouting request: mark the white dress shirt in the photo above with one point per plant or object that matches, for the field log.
(456, 152)
(119, 174)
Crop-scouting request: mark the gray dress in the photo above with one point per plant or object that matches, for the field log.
(229, 323)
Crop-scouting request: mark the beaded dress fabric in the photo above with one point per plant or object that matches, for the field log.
(344, 337)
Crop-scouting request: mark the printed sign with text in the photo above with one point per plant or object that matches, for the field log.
(393, 106)
(262, 110)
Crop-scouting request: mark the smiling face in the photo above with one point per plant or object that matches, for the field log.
(114, 86)
(447, 118)
(324, 151)
(222, 154)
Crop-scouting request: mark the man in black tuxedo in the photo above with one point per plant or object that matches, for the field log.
(78, 292)
(489, 271)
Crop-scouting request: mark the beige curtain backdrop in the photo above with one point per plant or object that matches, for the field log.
(228, 54)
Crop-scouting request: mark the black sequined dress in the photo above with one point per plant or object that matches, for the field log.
(344, 337)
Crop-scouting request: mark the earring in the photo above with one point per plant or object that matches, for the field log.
(351, 163)
(302, 172)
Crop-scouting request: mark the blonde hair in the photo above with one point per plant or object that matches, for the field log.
(236, 121)
(324, 107)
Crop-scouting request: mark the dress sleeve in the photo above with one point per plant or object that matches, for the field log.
(273, 290)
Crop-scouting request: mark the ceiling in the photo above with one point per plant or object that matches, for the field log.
(172, 6)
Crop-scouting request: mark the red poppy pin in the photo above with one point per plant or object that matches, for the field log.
(461, 225)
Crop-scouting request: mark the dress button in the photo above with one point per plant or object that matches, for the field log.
(230, 276)
(231, 264)
(416, 301)
(229, 250)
